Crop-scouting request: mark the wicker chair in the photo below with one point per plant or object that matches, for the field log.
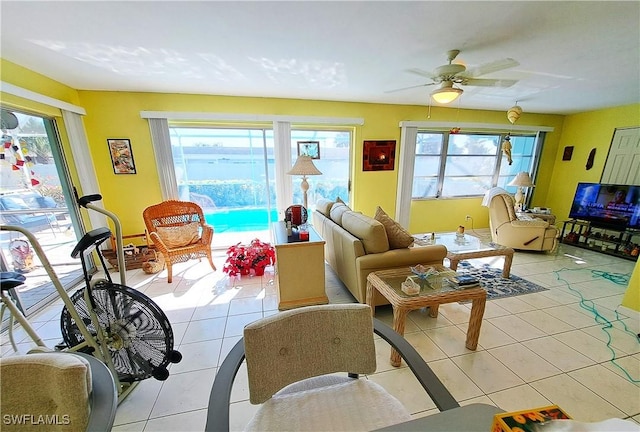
(179, 231)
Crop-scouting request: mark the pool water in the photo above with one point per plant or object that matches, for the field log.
(240, 220)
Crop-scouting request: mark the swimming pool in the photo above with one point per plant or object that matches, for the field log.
(240, 220)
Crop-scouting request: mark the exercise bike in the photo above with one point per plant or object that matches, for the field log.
(119, 325)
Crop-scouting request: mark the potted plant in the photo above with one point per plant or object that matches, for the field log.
(242, 259)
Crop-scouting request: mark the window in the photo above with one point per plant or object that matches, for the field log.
(459, 165)
(333, 163)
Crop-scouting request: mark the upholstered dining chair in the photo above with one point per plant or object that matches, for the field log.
(295, 363)
(179, 232)
(56, 391)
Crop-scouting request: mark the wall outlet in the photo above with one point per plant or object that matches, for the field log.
(468, 217)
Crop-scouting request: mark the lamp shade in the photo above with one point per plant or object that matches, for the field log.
(446, 93)
(522, 180)
(304, 166)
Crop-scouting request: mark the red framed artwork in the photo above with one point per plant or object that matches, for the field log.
(378, 155)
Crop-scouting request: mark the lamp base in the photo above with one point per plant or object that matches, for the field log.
(519, 198)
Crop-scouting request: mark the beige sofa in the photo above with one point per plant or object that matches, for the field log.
(357, 245)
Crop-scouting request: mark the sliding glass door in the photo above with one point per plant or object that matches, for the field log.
(35, 195)
(230, 173)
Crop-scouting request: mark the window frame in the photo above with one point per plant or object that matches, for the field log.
(408, 134)
(445, 155)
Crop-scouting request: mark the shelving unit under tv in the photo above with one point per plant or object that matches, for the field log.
(616, 241)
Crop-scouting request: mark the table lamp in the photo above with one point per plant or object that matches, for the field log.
(304, 166)
(522, 180)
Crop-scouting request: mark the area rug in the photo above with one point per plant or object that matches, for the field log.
(498, 287)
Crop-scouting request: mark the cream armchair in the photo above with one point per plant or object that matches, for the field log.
(508, 230)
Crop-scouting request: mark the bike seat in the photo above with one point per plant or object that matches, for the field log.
(10, 280)
(93, 238)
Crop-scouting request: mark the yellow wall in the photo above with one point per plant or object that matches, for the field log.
(117, 115)
(585, 131)
(631, 297)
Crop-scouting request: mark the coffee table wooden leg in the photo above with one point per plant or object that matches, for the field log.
(453, 263)
(506, 270)
(433, 310)
(369, 298)
(475, 321)
(399, 319)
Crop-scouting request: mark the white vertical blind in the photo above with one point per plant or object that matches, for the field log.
(282, 155)
(161, 141)
(84, 163)
(408, 138)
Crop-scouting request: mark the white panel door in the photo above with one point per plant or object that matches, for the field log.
(623, 162)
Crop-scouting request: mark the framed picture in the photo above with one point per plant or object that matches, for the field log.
(309, 148)
(378, 155)
(121, 156)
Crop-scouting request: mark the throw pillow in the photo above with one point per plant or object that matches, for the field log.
(337, 210)
(324, 206)
(179, 235)
(368, 230)
(398, 236)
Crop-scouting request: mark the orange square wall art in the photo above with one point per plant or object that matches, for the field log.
(378, 155)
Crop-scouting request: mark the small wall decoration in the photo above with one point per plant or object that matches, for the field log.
(121, 156)
(378, 155)
(591, 159)
(309, 148)
(568, 152)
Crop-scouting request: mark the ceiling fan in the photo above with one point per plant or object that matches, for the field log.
(456, 73)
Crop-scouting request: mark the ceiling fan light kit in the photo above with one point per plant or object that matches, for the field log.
(447, 93)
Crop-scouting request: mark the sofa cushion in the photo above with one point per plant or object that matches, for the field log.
(180, 235)
(368, 230)
(396, 234)
(337, 210)
(323, 205)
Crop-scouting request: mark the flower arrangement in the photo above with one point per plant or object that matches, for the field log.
(241, 259)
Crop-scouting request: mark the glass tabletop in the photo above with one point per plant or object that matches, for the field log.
(457, 243)
(433, 284)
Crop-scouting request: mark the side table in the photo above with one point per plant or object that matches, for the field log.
(544, 216)
(299, 269)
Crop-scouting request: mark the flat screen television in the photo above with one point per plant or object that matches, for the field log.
(607, 205)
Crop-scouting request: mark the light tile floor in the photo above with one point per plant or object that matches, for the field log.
(534, 350)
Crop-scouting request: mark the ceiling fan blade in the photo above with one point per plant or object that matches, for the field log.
(489, 82)
(421, 73)
(491, 67)
(408, 88)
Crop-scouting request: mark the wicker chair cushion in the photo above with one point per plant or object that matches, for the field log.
(396, 234)
(179, 235)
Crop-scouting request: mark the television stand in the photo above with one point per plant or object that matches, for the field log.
(620, 242)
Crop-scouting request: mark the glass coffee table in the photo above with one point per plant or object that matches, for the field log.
(388, 283)
(467, 247)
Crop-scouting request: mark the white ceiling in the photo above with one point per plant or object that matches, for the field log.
(573, 56)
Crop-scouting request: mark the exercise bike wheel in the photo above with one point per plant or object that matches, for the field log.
(139, 335)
